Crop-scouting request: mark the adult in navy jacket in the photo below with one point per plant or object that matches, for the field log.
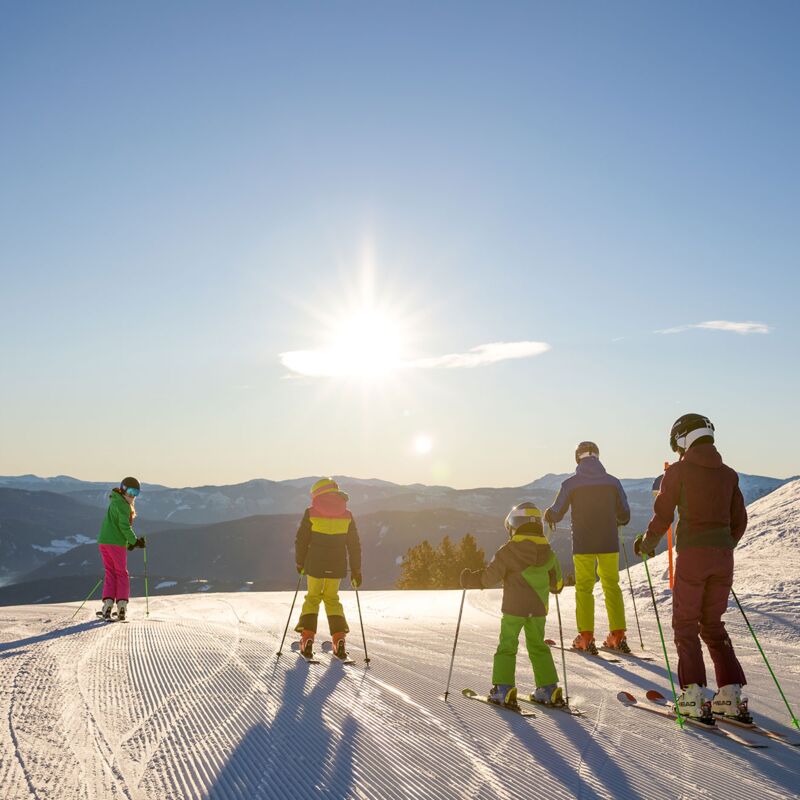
(599, 506)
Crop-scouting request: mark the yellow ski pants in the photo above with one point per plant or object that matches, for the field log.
(607, 565)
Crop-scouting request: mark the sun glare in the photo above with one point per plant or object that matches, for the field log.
(367, 344)
(423, 444)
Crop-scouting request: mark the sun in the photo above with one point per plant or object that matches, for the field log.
(368, 343)
(362, 335)
(423, 444)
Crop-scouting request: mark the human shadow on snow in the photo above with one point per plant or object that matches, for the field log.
(296, 749)
(56, 633)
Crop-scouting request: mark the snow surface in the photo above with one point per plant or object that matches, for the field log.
(193, 703)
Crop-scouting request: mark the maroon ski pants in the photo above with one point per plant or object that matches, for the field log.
(703, 580)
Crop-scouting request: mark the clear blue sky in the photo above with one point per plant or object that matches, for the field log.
(191, 191)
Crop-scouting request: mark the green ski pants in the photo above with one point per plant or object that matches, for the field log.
(505, 659)
(608, 570)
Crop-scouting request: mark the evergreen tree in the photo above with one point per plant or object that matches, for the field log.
(470, 556)
(418, 567)
(447, 567)
(424, 567)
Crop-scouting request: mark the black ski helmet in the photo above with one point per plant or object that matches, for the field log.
(130, 483)
(586, 449)
(688, 429)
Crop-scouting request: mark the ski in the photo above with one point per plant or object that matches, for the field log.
(658, 700)
(472, 695)
(627, 699)
(296, 649)
(575, 712)
(634, 656)
(327, 647)
(778, 736)
(657, 697)
(554, 644)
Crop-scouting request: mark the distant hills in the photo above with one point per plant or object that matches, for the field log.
(240, 537)
(35, 526)
(204, 505)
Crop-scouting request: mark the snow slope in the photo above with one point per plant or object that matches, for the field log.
(193, 703)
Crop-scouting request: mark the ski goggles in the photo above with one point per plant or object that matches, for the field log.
(131, 492)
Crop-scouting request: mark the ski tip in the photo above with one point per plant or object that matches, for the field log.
(626, 697)
(469, 693)
(654, 694)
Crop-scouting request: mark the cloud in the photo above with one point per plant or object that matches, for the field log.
(742, 328)
(482, 355)
(338, 362)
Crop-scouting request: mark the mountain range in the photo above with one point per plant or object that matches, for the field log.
(48, 529)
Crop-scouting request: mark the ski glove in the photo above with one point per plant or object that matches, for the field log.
(140, 542)
(557, 587)
(300, 569)
(637, 547)
(470, 579)
(355, 579)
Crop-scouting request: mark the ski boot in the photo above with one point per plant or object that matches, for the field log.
(616, 641)
(504, 694)
(585, 641)
(122, 608)
(728, 702)
(307, 643)
(551, 695)
(108, 604)
(339, 648)
(692, 703)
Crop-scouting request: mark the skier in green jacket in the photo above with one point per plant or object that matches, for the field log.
(115, 539)
(529, 570)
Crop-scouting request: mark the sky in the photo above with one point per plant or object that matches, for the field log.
(424, 242)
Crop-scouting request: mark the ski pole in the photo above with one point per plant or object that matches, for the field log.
(361, 620)
(86, 600)
(563, 653)
(146, 587)
(663, 643)
(795, 721)
(455, 642)
(633, 596)
(291, 611)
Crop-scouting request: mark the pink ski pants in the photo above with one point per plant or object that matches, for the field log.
(117, 584)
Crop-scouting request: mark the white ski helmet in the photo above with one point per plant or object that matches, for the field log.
(524, 513)
(686, 430)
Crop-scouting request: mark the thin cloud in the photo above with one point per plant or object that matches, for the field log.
(330, 363)
(742, 328)
(482, 355)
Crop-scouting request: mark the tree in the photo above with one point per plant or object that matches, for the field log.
(417, 569)
(426, 568)
(470, 556)
(446, 569)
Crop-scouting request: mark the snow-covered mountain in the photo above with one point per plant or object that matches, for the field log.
(37, 525)
(209, 504)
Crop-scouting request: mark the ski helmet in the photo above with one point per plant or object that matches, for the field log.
(327, 486)
(688, 429)
(525, 513)
(324, 486)
(585, 449)
(130, 486)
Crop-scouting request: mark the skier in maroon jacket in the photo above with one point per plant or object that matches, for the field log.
(711, 521)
